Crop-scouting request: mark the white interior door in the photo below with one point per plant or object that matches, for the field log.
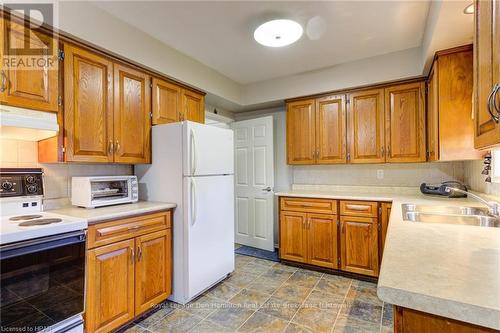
(254, 182)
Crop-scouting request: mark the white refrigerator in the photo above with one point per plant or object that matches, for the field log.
(193, 166)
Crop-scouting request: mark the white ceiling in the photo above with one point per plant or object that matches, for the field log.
(220, 34)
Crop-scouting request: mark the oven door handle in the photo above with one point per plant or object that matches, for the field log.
(41, 244)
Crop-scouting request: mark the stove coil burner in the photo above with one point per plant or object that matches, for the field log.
(39, 222)
(24, 217)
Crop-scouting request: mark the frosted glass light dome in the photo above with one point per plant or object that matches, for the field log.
(278, 33)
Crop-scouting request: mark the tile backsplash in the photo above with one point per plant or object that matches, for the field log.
(57, 177)
(403, 174)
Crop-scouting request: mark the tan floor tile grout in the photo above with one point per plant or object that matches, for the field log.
(338, 313)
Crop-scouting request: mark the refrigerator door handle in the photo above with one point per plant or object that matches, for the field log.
(193, 153)
(193, 202)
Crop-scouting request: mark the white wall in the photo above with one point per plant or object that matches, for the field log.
(387, 67)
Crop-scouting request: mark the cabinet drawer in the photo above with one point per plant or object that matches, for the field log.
(113, 231)
(358, 208)
(323, 206)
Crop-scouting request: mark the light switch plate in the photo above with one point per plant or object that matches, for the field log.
(380, 174)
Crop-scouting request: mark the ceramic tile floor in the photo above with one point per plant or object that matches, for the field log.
(264, 296)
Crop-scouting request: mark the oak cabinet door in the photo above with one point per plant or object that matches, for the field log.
(432, 114)
(88, 106)
(405, 123)
(166, 102)
(322, 240)
(486, 72)
(366, 126)
(385, 213)
(330, 130)
(293, 238)
(34, 88)
(110, 286)
(153, 269)
(132, 121)
(301, 132)
(359, 245)
(193, 106)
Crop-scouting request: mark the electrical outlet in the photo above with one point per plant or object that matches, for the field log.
(380, 174)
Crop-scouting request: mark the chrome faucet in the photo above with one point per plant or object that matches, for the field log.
(493, 207)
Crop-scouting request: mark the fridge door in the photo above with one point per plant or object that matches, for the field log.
(207, 150)
(209, 208)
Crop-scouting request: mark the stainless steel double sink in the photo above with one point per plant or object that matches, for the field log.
(476, 216)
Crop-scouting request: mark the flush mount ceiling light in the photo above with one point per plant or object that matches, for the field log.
(278, 33)
(469, 9)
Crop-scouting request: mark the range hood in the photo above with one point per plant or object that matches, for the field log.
(26, 124)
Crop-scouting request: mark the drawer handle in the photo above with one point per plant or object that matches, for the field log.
(133, 228)
(358, 207)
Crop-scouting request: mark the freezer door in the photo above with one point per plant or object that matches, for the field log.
(207, 150)
(209, 208)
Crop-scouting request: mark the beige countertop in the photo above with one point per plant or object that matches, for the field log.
(448, 270)
(100, 214)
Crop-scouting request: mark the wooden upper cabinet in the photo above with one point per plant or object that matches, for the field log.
(166, 102)
(132, 119)
(88, 106)
(359, 245)
(405, 123)
(193, 106)
(322, 240)
(34, 88)
(293, 237)
(432, 114)
(449, 106)
(110, 286)
(366, 126)
(486, 73)
(301, 132)
(153, 269)
(330, 130)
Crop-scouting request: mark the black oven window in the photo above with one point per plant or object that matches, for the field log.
(42, 288)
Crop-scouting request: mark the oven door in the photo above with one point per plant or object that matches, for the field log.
(42, 282)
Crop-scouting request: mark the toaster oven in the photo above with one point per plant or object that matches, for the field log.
(91, 192)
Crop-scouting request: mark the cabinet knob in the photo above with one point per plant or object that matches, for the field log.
(492, 103)
(117, 146)
(110, 147)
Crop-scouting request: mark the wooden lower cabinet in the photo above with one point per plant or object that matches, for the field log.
(322, 240)
(153, 270)
(413, 321)
(385, 213)
(110, 286)
(293, 241)
(309, 238)
(126, 278)
(359, 245)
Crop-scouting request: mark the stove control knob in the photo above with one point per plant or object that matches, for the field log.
(6, 185)
(32, 188)
(30, 179)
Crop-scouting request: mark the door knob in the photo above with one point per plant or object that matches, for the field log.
(267, 189)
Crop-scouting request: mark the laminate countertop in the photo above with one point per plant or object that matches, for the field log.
(444, 269)
(102, 214)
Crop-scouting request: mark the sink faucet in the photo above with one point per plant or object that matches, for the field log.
(493, 207)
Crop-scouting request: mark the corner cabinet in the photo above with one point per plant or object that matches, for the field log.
(33, 88)
(487, 73)
(129, 269)
(106, 110)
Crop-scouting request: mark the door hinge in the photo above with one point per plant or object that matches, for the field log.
(60, 54)
(338, 261)
(59, 100)
(63, 150)
(348, 156)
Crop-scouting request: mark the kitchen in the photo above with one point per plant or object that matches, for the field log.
(312, 179)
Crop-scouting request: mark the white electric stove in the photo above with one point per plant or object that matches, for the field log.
(42, 257)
